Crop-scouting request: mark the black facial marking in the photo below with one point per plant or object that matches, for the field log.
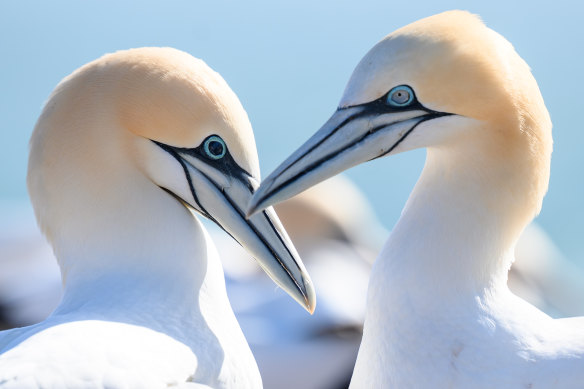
(368, 110)
(227, 165)
(172, 151)
(425, 118)
(371, 109)
(241, 214)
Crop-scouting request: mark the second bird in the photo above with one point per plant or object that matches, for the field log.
(439, 312)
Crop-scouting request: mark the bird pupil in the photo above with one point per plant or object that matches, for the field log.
(215, 148)
(401, 97)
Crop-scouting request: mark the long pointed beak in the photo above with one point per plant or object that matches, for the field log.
(351, 136)
(222, 195)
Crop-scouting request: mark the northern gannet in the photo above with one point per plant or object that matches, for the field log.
(439, 312)
(124, 149)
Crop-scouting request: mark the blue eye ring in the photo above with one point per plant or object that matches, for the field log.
(215, 147)
(400, 96)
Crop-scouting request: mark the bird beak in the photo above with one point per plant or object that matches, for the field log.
(221, 194)
(352, 135)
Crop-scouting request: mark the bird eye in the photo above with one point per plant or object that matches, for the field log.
(215, 147)
(400, 96)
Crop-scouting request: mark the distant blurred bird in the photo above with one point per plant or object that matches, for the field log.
(544, 277)
(439, 312)
(125, 146)
(30, 280)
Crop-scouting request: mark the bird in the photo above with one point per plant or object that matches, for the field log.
(127, 151)
(439, 312)
(30, 281)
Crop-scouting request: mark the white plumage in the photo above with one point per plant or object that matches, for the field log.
(147, 331)
(126, 147)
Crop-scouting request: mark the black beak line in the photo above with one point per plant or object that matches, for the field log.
(172, 151)
(369, 110)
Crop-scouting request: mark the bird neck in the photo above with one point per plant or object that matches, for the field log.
(145, 260)
(129, 253)
(458, 229)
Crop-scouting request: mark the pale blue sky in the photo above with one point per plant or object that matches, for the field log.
(289, 62)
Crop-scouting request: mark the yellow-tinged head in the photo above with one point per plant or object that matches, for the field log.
(452, 60)
(134, 130)
(169, 96)
(155, 93)
(447, 83)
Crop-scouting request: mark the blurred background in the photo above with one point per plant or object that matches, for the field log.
(288, 62)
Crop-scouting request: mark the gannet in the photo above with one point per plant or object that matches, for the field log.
(125, 147)
(439, 312)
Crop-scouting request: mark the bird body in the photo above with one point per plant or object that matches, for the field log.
(438, 327)
(124, 330)
(439, 312)
(126, 150)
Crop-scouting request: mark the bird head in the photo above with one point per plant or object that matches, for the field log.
(446, 83)
(154, 123)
